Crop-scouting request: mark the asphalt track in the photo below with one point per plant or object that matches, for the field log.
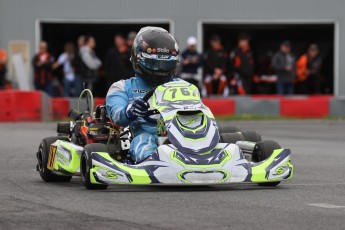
(314, 199)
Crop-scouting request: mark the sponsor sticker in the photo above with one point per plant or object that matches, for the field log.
(140, 90)
(163, 56)
(163, 50)
(113, 175)
(51, 157)
(192, 121)
(280, 170)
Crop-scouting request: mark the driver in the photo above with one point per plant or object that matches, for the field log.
(154, 58)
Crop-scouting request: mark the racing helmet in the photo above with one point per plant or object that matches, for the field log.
(154, 55)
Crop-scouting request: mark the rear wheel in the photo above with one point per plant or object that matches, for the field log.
(231, 138)
(229, 129)
(252, 136)
(42, 161)
(63, 128)
(262, 151)
(86, 165)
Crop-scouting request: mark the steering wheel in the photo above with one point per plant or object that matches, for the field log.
(151, 112)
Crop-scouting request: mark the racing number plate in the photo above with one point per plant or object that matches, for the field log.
(51, 157)
(180, 94)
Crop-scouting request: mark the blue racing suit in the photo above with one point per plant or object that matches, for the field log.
(119, 96)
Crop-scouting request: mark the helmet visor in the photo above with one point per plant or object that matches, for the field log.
(158, 62)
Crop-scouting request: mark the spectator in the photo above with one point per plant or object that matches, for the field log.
(124, 53)
(191, 61)
(283, 63)
(3, 60)
(266, 79)
(42, 65)
(81, 41)
(130, 38)
(89, 62)
(77, 65)
(308, 70)
(67, 59)
(117, 63)
(215, 80)
(242, 63)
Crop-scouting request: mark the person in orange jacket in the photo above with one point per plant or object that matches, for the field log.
(215, 80)
(42, 65)
(242, 64)
(308, 69)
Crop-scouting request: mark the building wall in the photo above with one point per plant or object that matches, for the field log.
(18, 17)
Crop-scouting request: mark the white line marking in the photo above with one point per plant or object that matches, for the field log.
(324, 205)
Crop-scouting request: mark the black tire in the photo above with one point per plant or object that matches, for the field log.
(42, 161)
(231, 138)
(86, 164)
(229, 129)
(252, 136)
(269, 184)
(63, 128)
(262, 151)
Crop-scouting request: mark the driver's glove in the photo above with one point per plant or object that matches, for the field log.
(136, 109)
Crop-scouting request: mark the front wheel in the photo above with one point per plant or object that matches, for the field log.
(86, 165)
(262, 151)
(42, 161)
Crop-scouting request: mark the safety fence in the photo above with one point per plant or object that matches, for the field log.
(18, 106)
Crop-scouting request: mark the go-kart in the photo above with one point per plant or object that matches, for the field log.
(192, 150)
